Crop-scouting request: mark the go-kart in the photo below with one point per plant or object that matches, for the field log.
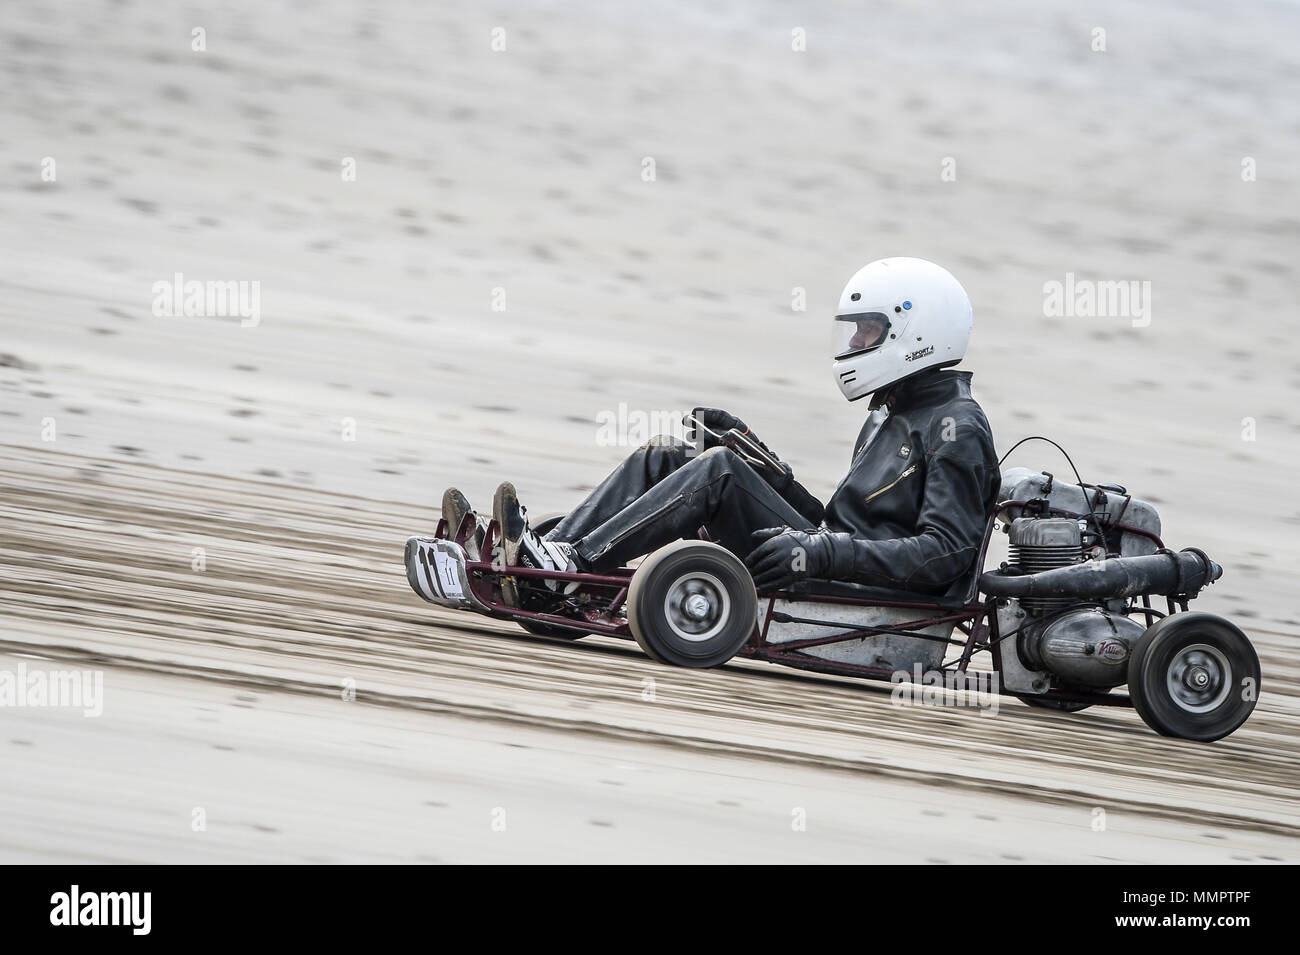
(1066, 620)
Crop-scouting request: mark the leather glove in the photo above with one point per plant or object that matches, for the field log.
(782, 481)
(717, 420)
(787, 555)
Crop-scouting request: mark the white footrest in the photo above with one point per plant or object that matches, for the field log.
(436, 571)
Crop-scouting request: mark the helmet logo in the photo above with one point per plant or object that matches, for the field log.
(919, 353)
(907, 305)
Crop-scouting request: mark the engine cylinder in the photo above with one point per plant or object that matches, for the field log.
(1038, 544)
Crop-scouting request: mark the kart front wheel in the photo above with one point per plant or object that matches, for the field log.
(1194, 676)
(692, 604)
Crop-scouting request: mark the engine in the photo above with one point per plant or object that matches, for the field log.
(1086, 646)
(1044, 544)
(1077, 557)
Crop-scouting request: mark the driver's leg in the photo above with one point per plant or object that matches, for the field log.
(643, 469)
(716, 490)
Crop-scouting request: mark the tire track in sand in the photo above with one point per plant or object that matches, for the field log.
(304, 588)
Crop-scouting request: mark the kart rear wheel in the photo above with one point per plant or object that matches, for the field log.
(544, 527)
(1194, 676)
(692, 604)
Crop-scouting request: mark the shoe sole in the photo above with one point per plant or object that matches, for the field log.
(454, 508)
(505, 509)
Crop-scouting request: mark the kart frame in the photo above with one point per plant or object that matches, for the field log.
(604, 597)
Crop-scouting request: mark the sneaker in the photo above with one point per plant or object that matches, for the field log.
(454, 508)
(524, 548)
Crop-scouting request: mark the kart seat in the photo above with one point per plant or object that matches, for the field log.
(841, 588)
(958, 595)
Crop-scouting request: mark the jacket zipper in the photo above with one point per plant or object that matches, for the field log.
(875, 494)
(880, 426)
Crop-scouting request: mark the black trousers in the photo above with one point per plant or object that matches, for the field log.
(662, 493)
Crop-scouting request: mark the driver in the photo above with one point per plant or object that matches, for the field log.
(909, 515)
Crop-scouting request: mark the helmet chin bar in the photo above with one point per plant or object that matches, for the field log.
(878, 389)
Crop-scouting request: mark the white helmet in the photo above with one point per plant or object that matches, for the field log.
(897, 317)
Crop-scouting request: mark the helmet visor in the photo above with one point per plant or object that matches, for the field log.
(859, 332)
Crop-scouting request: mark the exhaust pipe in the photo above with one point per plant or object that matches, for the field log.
(1165, 574)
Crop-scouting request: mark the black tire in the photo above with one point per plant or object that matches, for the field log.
(550, 630)
(1194, 676)
(692, 604)
(547, 523)
(1060, 706)
(545, 526)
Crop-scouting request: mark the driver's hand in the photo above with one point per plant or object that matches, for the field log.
(717, 421)
(786, 555)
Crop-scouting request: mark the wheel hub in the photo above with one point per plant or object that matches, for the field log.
(1199, 678)
(696, 606)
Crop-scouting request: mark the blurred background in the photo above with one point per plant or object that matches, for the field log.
(463, 263)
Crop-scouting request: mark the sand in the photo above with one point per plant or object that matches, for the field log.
(379, 371)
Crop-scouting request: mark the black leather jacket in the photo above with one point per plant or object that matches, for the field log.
(912, 511)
